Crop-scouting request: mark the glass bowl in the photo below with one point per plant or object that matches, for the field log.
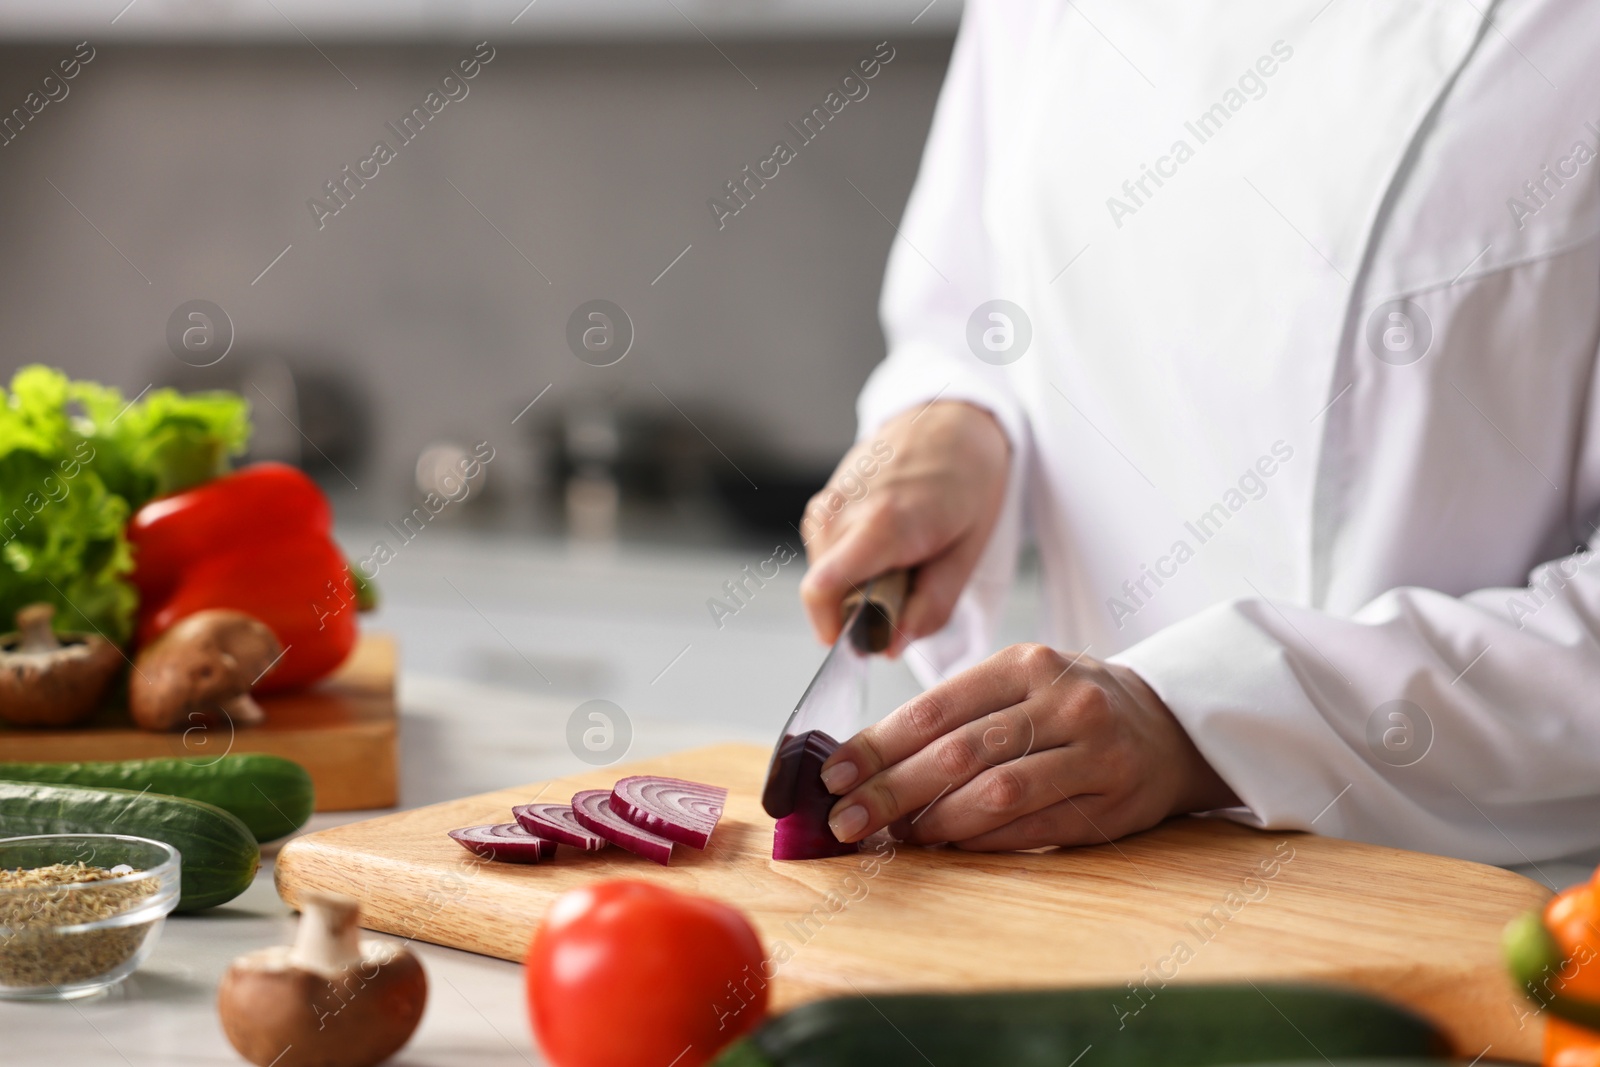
(63, 936)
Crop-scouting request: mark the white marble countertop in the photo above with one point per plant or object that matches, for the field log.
(164, 1014)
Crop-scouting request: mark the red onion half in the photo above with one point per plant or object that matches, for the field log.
(505, 841)
(557, 822)
(685, 812)
(592, 808)
(804, 834)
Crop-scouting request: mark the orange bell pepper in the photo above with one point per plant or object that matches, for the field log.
(1569, 1045)
(1573, 919)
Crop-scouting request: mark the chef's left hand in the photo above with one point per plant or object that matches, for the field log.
(1031, 747)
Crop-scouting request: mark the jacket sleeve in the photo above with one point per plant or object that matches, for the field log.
(1468, 726)
(939, 263)
(939, 272)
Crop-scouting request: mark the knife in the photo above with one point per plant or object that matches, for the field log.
(835, 701)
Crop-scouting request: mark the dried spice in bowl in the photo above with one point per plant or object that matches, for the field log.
(54, 934)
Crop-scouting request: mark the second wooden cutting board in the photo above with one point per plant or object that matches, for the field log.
(1194, 900)
(344, 731)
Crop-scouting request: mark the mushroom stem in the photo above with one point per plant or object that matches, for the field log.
(33, 623)
(328, 938)
(243, 710)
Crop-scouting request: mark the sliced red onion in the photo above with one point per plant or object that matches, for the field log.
(557, 822)
(507, 842)
(592, 808)
(685, 812)
(804, 834)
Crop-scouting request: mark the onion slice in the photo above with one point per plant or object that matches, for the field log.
(804, 834)
(592, 808)
(507, 842)
(685, 812)
(557, 822)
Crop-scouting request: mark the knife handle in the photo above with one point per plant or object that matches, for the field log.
(886, 600)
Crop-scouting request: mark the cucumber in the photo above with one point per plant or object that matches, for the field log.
(220, 854)
(1176, 1026)
(271, 795)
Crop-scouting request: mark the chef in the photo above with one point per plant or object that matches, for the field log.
(1273, 325)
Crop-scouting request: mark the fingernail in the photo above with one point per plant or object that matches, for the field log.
(839, 777)
(849, 822)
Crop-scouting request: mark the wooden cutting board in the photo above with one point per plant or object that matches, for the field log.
(1193, 900)
(344, 731)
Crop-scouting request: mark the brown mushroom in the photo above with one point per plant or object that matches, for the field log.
(200, 671)
(48, 679)
(329, 1000)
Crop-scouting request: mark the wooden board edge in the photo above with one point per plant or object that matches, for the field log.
(376, 786)
(304, 863)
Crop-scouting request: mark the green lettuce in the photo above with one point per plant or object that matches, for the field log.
(76, 460)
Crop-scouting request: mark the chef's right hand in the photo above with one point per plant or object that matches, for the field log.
(924, 493)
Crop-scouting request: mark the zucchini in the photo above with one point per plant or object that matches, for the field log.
(1176, 1026)
(271, 795)
(220, 854)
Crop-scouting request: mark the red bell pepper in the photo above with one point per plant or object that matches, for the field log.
(259, 541)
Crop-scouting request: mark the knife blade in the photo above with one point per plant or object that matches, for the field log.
(835, 701)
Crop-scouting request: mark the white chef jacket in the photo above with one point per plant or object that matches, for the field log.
(1306, 429)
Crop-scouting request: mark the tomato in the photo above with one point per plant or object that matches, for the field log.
(631, 974)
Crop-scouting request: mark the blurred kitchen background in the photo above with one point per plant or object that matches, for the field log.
(434, 306)
(431, 313)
